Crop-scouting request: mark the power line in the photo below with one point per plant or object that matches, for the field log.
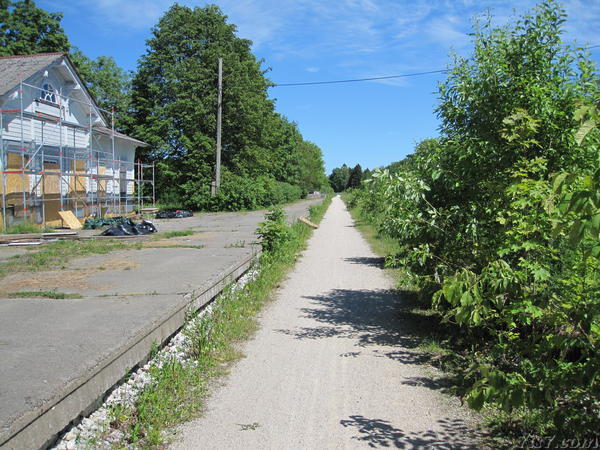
(388, 77)
(361, 79)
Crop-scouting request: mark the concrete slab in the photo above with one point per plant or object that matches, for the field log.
(59, 356)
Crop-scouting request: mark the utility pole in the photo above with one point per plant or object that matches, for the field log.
(217, 182)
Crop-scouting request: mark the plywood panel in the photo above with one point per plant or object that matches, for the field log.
(14, 183)
(70, 220)
(14, 161)
(51, 181)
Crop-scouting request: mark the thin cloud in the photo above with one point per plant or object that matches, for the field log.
(345, 30)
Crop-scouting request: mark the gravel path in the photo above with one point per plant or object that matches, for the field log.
(330, 366)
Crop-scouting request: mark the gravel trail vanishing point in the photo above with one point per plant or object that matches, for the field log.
(330, 366)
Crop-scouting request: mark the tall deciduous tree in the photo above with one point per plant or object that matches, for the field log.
(175, 103)
(26, 29)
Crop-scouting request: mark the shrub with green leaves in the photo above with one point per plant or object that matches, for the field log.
(273, 232)
(498, 220)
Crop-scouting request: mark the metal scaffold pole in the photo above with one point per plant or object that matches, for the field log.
(61, 165)
(3, 162)
(22, 150)
(74, 168)
(43, 181)
(90, 162)
(139, 184)
(112, 142)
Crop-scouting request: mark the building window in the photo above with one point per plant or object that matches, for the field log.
(48, 93)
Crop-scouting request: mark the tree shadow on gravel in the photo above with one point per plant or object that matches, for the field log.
(381, 317)
(373, 261)
(369, 316)
(453, 434)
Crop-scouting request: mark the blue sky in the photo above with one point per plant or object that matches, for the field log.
(371, 123)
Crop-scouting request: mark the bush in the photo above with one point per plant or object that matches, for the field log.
(273, 232)
(498, 222)
(242, 193)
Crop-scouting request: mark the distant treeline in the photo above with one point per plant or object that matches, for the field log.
(170, 102)
(342, 178)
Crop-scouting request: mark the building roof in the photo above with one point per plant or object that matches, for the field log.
(17, 68)
(108, 132)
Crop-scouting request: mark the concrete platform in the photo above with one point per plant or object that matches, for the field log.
(59, 357)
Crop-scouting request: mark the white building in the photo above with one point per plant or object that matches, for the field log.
(58, 149)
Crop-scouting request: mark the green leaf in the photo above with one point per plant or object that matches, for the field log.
(576, 233)
(476, 399)
(583, 131)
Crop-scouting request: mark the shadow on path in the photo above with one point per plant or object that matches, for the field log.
(454, 434)
(369, 316)
(373, 261)
(372, 318)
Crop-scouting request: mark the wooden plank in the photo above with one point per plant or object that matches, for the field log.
(59, 233)
(70, 220)
(308, 222)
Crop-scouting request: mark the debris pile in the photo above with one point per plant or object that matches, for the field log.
(94, 224)
(129, 228)
(174, 214)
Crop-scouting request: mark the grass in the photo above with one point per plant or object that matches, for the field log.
(237, 244)
(174, 234)
(44, 294)
(57, 254)
(179, 391)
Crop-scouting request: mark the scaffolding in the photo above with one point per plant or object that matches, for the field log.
(50, 163)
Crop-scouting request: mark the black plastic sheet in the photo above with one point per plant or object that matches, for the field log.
(130, 228)
(174, 214)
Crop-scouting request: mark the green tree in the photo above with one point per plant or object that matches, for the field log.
(109, 84)
(312, 171)
(26, 29)
(338, 179)
(174, 103)
(355, 177)
(175, 95)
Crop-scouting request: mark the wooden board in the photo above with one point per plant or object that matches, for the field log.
(308, 222)
(70, 220)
